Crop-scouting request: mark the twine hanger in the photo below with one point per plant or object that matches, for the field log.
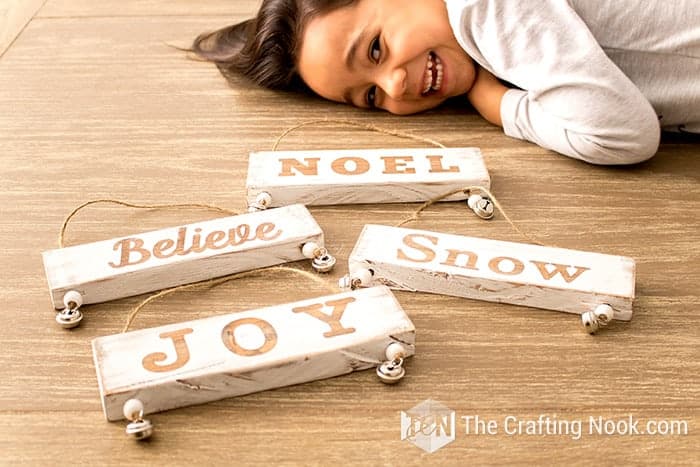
(211, 283)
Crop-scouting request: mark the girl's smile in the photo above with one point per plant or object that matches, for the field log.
(398, 55)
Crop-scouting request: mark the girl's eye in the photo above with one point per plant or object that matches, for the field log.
(371, 96)
(375, 50)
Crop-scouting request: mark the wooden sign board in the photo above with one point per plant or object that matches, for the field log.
(133, 265)
(224, 356)
(364, 176)
(495, 271)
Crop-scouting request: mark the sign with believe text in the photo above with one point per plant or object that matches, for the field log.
(363, 176)
(224, 356)
(496, 271)
(140, 263)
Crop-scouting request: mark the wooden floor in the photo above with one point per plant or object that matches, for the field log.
(94, 104)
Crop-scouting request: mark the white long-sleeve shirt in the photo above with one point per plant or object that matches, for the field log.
(597, 78)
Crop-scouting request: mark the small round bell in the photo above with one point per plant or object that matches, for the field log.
(590, 322)
(391, 372)
(594, 320)
(481, 205)
(323, 263)
(139, 428)
(69, 318)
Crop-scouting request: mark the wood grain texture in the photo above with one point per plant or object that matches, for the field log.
(14, 16)
(86, 8)
(101, 108)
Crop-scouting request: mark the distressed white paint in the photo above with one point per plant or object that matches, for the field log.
(97, 270)
(212, 371)
(417, 260)
(364, 176)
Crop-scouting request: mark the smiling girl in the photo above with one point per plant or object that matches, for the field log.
(592, 79)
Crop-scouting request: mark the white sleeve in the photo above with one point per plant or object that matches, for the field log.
(574, 99)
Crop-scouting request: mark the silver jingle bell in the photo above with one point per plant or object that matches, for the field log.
(69, 318)
(594, 320)
(483, 208)
(391, 372)
(590, 322)
(323, 263)
(139, 429)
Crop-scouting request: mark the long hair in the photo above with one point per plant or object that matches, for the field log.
(265, 48)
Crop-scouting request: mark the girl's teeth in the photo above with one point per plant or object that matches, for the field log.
(432, 74)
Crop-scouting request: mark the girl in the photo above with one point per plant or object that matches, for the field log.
(591, 79)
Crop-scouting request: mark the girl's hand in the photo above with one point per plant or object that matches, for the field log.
(486, 94)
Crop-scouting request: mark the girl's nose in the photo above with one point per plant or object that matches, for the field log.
(394, 83)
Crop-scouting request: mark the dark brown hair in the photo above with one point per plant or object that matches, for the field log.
(265, 48)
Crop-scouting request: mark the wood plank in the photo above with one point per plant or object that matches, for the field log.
(492, 270)
(14, 16)
(364, 176)
(87, 8)
(246, 352)
(127, 266)
(117, 114)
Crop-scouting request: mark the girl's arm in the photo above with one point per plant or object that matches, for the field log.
(572, 98)
(486, 95)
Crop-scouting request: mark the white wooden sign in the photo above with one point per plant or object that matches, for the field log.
(496, 271)
(127, 266)
(363, 176)
(224, 356)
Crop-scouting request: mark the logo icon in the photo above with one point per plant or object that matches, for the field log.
(429, 425)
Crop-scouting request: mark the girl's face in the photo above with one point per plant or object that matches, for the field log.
(396, 55)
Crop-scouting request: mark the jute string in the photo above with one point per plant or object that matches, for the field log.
(211, 283)
(364, 126)
(62, 234)
(221, 280)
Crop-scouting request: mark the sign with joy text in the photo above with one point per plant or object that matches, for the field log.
(140, 263)
(496, 271)
(364, 176)
(224, 356)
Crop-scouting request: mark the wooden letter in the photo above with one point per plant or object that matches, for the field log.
(316, 310)
(392, 164)
(182, 353)
(229, 337)
(453, 256)
(559, 269)
(408, 240)
(264, 229)
(127, 246)
(163, 245)
(339, 166)
(495, 266)
(214, 239)
(311, 167)
(436, 165)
